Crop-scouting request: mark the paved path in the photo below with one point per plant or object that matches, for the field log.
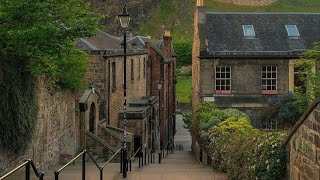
(178, 166)
(182, 136)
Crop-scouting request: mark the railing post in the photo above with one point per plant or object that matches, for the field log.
(145, 156)
(84, 165)
(121, 160)
(56, 175)
(130, 165)
(28, 170)
(41, 176)
(160, 157)
(124, 163)
(139, 161)
(148, 158)
(101, 174)
(142, 158)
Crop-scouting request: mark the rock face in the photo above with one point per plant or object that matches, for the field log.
(138, 9)
(248, 2)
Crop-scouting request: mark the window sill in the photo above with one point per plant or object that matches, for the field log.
(223, 92)
(269, 92)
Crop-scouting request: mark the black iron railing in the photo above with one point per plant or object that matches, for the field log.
(83, 172)
(27, 164)
(133, 156)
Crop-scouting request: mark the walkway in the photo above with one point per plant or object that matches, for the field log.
(178, 166)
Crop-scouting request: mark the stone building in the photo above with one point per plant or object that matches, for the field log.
(161, 81)
(106, 76)
(242, 60)
(303, 146)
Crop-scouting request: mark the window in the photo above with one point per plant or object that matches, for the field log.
(248, 31)
(292, 31)
(269, 80)
(132, 72)
(144, 67)
(114, 81)
(139, 69)
(269, 125)
(223, 79)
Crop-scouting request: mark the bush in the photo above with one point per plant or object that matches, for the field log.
(184, 53)
(287, 109)
(246, 153)
(209, 116)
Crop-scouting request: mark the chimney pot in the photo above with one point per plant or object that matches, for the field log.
(199, 2)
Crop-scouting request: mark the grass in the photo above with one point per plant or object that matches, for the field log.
(184, 90)
(177, 15)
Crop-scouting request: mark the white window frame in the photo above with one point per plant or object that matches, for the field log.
(267, 71)
(223, 71)
(289, 32)
(244, 31)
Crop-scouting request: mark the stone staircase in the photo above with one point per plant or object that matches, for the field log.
(178, 166)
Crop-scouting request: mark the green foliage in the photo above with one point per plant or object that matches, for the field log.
(210, 116)
(240, 125)
(309, 61)
(183, 89)
(43, 34)
(38, 38)
(287, 109)
(18, 110)
(187, 119)
(256, 155)
(184, 53)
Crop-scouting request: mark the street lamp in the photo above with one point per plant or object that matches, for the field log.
(124, 19)
(159, 88)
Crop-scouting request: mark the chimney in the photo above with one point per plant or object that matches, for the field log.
(167, 44)
(199, 2)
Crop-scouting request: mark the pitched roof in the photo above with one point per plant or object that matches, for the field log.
(102, 41)
(225, 33)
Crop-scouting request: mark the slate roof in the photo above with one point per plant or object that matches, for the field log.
(102, 41)
(225, 33)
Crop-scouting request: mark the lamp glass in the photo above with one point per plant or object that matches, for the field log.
(159, 85)
(124, 18)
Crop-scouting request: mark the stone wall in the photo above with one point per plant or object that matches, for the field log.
(56, 132)
(303, 146)
(248, 2)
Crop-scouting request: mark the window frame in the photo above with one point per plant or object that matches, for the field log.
(295, 28)
(244, 31)
(269, 79)
(219, 78)
(114, 75)
(132, 70)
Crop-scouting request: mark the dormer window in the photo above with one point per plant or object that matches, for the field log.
(248, 31)
(292, 31)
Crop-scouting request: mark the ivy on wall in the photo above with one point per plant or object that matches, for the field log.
(38, 38)
(18, 106)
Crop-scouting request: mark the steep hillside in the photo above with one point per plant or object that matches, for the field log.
(138, 9)
(177, 15)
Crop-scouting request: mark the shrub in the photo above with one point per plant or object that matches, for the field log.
(250, 155)
(184, 53)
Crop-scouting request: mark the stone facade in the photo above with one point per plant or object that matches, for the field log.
(303, 146)
(248, 2)
(57, 131)
(162, 69)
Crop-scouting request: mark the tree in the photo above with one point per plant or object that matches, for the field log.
(42, 35)
(38, 37)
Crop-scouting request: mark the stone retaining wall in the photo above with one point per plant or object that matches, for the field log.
(56, 133)
(303, 146)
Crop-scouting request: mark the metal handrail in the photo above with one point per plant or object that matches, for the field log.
(132, 157)
(104, 165)
(83, 154)
(27, 164)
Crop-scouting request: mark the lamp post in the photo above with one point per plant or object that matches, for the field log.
(124, 19)
(159, 88)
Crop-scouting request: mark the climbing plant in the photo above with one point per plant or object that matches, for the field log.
(38, 38)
